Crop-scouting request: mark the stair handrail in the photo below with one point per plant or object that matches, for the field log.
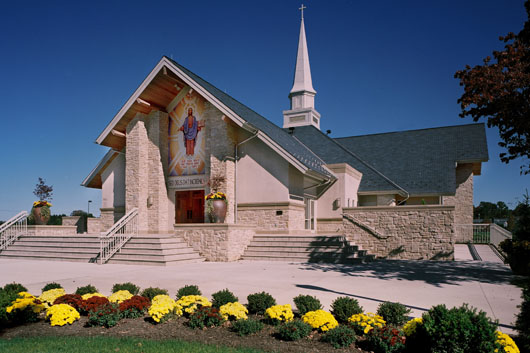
(364, 226)
(13, 228)
(115, 238)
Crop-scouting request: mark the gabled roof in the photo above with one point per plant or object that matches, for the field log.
(280, 141)
(420, 161)
(93, 180)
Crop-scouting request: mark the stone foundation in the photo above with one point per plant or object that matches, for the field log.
(52, 230)
(75, 221)
(404, 232)
(329, 225)
(287, 216)
(94, 226)
(218, 241)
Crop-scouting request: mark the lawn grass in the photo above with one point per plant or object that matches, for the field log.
(109, 344)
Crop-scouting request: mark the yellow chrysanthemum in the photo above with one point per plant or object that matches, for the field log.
(161, 305)
(410, 327)
(321, 320)
(61, 314)
(233, 311)
(189, 303)
(120, 296)
(48, 297)
(90, 295)
(507, 343)
(280, 312)
(367, 321)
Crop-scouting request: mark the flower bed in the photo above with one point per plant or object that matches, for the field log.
(364, 331)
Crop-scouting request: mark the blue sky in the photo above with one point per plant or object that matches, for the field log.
(67, 67)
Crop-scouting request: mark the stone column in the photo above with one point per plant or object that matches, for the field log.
(136, 170)
(157, 200)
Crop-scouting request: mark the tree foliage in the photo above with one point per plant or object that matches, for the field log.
(489, 210)
(43, 191)
(499, 91)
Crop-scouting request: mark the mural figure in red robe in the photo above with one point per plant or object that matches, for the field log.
(190, 128)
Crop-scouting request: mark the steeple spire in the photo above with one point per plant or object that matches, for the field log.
(302, 93)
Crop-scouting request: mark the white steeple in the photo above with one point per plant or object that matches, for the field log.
(302, 94)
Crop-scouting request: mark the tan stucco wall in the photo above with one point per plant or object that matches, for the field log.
(343, 193)
(263, 176)
(113, 179)
(412, 232)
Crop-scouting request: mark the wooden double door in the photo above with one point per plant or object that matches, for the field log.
(189, 206)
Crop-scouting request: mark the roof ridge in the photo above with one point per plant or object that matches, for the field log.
(412, 130)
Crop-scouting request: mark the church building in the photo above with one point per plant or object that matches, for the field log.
(396, 195)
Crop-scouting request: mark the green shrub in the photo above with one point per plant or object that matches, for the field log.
(188, 290)
(394, 314)
(86, 290)
(522, 325)
(15, 288)
(344, 307)
(387, 339)
(131, 287)
(107, 315)
(247, 327)
(517, 249)
(340, 336)
(205, 316)
(259, 302)
(306, 303)
(455, 330)
(52, 285)
(152, 292)
(223, 297)
(293, 330)
(6, 298)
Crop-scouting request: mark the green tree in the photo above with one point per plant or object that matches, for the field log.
(499, 91)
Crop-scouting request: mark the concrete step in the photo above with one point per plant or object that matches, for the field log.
(165, 251)
(51, 253)
(59, 248)
(155, 263)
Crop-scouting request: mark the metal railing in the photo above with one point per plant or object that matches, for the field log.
(12, 229)
(483, 233)
(116, 237)
(366, 227)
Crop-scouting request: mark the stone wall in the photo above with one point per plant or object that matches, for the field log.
(76, 221)
(52, 230)
(329, 225)
(463, 202)
(94, 226)
(217, 242)
(410, 232)
(286, 216)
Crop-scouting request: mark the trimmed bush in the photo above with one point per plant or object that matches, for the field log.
(339, 337)
(259, 302)
(52, 285)
(306, 303)
(88, 289)
(223, 297)
(395, 314)
(128, 286)
(189, 289)
(247, 327)
(293, 330)
(205, 316)
(522, 325)
(152, 292)
(6, 298)
(344, 307)
(15, 288)
(454, 330)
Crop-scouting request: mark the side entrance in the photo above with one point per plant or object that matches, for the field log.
(189, 206)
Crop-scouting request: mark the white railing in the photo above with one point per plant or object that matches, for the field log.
(114, 239)
(364, 226)
(12, 229)
(484, 233)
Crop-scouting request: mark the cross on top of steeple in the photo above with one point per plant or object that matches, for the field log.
(302, 10)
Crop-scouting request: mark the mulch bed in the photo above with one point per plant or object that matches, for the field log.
(176, 329)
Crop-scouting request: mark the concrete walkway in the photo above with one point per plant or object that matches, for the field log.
(417, 284)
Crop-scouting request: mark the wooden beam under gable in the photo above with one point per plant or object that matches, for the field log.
(177, 99)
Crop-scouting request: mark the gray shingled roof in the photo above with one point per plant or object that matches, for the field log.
(284, 139)
(420, 161)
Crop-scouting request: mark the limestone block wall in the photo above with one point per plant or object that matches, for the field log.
(287, 216)
(94, 226)
(76, 221)
(329, 225)
(217, 242)
(463, 202)
(411, 232)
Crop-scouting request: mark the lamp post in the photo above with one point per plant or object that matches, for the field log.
(88, 211)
